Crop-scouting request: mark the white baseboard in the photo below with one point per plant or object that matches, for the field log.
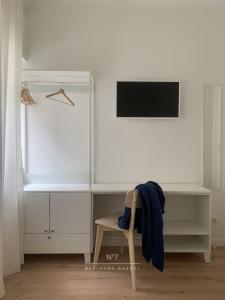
(218, 242)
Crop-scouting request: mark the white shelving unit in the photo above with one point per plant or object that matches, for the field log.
(187, 218)
(59, 206)
(187, 222)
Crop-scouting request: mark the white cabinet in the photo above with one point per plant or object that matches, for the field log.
(36, 206)
(58, 222)
(70, 212)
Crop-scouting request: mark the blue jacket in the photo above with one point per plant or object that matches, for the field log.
(149, 222)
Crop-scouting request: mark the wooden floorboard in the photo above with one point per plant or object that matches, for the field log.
(64, 277)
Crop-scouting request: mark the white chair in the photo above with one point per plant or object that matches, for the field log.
(110, 224)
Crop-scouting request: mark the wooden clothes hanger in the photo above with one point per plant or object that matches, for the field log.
(60, 92)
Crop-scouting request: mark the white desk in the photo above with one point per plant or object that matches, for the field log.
(187, 227)
(111, 188)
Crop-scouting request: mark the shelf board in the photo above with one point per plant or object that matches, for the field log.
(57, 77)
(168, 188)
(56, 188)
(176, 189)
(185, 244)
(180, 227)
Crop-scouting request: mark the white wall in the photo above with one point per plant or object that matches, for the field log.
(134, 42)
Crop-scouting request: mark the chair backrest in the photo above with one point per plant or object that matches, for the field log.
(132, 201)
(132, 197)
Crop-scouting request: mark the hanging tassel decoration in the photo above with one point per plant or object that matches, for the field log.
(26, 97)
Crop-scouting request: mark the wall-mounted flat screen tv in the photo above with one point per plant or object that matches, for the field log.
(148, 99)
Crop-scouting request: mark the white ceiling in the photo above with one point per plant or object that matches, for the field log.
(29, 4)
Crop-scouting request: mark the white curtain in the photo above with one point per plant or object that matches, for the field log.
(11, 256)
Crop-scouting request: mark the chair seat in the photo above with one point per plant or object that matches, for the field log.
(110, 222)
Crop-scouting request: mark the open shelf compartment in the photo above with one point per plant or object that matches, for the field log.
(186, 244)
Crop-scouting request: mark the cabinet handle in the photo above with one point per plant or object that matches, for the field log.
(45, 231)
(53, 231)
(49, 237)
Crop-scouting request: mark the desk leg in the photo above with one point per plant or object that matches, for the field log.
(87, 258)
(207, 257)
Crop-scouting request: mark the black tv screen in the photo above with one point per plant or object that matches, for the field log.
(154, 99)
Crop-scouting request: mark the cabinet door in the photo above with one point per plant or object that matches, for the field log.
(70, 212)
(36, 212)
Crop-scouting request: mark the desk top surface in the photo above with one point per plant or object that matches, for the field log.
(178, 188)
(33, 187)
(109, 188)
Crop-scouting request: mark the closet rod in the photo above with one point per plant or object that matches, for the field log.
(56, 83)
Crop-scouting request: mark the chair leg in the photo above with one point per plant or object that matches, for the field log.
(98, 242)
(122, 244)
(132, 260)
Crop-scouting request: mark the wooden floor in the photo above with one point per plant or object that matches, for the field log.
(64, 277)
